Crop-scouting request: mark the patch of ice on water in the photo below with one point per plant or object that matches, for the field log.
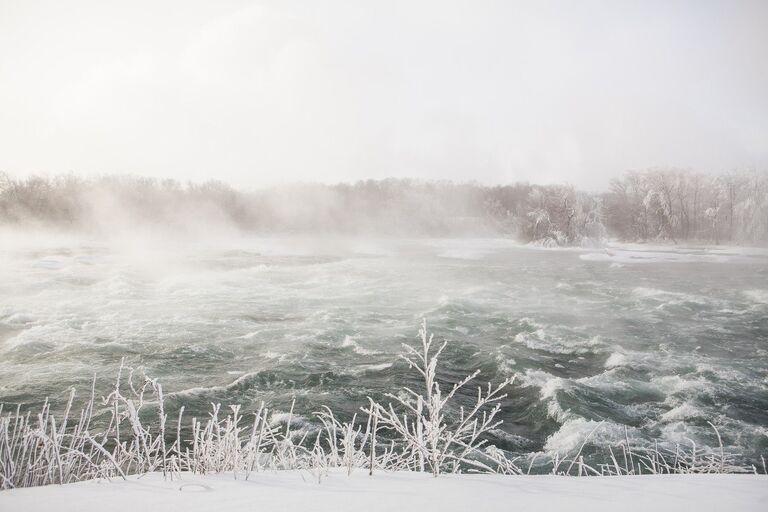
(642, 253)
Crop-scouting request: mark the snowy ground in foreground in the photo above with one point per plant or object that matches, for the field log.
(299, 491)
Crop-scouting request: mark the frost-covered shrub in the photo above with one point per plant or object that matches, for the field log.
(419, 418)
(411, 432)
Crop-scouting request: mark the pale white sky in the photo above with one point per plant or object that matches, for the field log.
(257, 93)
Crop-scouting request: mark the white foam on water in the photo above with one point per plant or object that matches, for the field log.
(540, 339)
(19, 319)
(548, 385)
(682, 412)
(615, 360)
(674, 384)
(666, 299)
(574, 432)
(529, 322)
(209, 389)
(607, 380)
(508, 437)
(537, 378)
(349, 341)
(556, 412)
(269, 354)
(758, 296)
(300, 425)
(371, 368)
(505, 364)
(654, 293)
(677, 432)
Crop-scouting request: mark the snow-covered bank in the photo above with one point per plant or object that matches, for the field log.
(300, 491)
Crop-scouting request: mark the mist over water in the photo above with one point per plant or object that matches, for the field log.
(655, 342)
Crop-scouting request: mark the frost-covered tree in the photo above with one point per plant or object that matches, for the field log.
(658, 204)
(683, 205)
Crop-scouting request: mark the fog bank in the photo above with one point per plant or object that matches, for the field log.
(653, 205)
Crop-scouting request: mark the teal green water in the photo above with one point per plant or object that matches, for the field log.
(657, 341)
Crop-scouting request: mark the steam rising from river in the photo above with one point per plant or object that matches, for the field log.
(653, 341)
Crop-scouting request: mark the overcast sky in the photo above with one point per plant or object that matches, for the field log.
(257, 93)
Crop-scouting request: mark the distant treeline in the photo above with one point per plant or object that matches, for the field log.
(682, 205)
(640, 206)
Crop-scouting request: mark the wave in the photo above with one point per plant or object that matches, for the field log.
(540, 339)
(667, 296)
(683, 412)
(371, 368)
(350, 342)
(202, 390)
(548, 385)
(615, 360)
(574, 432)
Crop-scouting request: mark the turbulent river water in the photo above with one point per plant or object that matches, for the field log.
(654, 342)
